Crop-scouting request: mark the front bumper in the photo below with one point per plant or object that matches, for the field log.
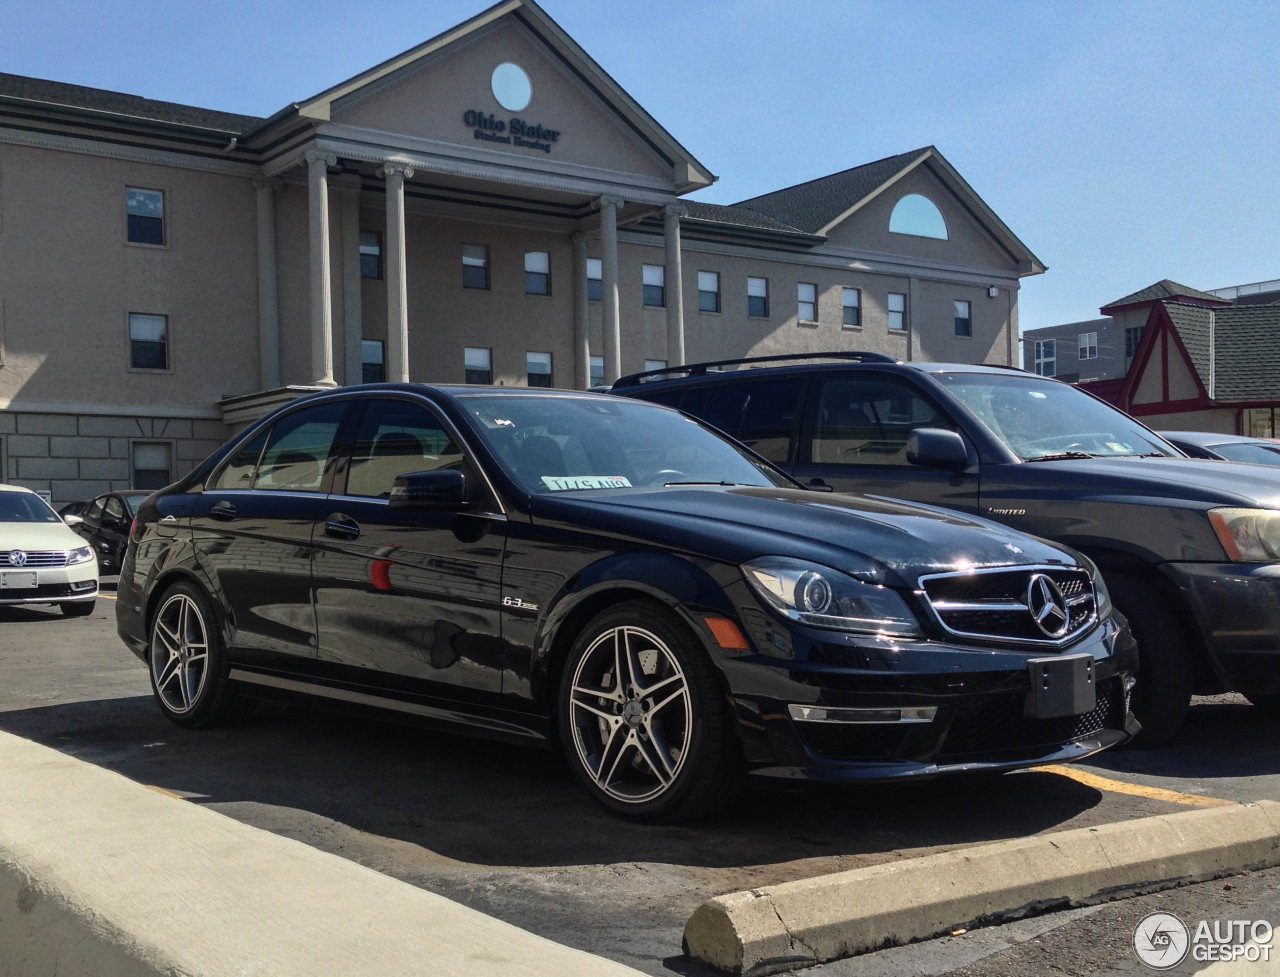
(55, 585)
(1237, 606)
(978, 697)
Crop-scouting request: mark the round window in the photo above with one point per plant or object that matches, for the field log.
(511, 87)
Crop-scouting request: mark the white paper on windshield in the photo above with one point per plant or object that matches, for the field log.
(573, 483)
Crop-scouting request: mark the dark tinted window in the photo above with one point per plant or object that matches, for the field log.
(240, 470)
(1256, 454)
(760, 413)
(396, 438)
(298, 449)
(868, 421)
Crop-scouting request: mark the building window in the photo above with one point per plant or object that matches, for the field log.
(654, 365)
(1047, 357)
(897, 311)
(708, 291)
(372, 361)
(479, 365)
(595, 280)
(655, 292)
(537, 273)
(539, 367)
(145, 209)
(148, 342)
(370, 254)
(758, 297)
(964, 319)
(151, 465)
(919, 216)
(596, 378)
(807, 302)
(851, 300)
(475, 266)
(1132, 340)
(1088, 346)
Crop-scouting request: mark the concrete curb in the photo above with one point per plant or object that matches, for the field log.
(101, 877)
(812, 921)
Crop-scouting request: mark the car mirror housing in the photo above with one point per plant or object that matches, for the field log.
(932, 447)
(443, 490)
(73, 521)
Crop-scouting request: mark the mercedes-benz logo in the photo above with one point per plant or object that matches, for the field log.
(1047, 605)
(17, 558)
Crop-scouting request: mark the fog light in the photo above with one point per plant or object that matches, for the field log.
(81, 585)
(823, 714)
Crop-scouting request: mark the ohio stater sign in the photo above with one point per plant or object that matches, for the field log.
(513, 132)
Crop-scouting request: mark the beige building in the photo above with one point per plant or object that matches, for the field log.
(487, 207)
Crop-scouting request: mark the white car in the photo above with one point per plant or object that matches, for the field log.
(41, 560)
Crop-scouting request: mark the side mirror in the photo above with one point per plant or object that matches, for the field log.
(72, 521)
(818, 485)
(932, 447)
(441, 490)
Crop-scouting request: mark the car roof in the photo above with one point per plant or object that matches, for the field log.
(1208, 439)
(656, 377)
(15, 488)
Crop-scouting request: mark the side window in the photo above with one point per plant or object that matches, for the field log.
(94, 511)
(397, 438)
(243, 466)
(114, 508)
(759, 413)
(868, 421)
(298, 449)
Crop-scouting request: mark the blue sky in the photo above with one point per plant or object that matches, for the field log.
(1123, 142)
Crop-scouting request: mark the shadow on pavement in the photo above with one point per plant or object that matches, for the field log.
(498, 805)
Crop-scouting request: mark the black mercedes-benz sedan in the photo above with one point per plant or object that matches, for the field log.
(612, 576)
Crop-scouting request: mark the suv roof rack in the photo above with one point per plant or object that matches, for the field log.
(701, 369)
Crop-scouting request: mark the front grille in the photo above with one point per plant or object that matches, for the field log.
(853, 741)
(998, 604)
(47, 591)
(996, 724)
(35, 558)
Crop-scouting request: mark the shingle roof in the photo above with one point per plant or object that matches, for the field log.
(1192, 323)
(1165, 289)
(813, 205)
(1248, 345)
(736, 214)
(116, 103)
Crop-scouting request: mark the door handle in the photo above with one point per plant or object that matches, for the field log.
(223, 510)
(341, 526)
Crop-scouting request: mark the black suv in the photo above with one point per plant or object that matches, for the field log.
(1189, 549)
(538, 565)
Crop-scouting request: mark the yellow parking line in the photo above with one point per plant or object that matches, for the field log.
(1135, 790)
(167, 793)
(106, 596)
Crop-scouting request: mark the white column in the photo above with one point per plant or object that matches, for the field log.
(581, 315)
(397, 286)
(352, 307)
(268, 285)
(321, 315)
(609, 207)
(673, 277)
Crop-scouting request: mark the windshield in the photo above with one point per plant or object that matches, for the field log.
(553, 444)
(1041, 419)
(24, 507)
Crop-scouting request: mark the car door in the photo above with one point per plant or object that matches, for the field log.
(762, 413)
(855, 439)
(112, 532)
(91, 518)
(409, 601)
(251, 533)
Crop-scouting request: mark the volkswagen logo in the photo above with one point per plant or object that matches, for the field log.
(17, 558)
(1047, 605)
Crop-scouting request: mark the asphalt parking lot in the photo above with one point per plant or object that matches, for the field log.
(508, 832)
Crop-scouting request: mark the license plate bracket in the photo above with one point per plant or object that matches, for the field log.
(22, 580)
(1061, 686)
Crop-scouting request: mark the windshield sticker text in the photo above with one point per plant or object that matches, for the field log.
(574, 483)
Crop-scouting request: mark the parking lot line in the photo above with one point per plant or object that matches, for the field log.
(1135, 790)
(106, 596)
(167, 793)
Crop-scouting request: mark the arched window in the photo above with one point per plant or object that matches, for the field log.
(918, 215)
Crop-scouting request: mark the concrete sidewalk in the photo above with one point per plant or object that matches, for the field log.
(103, 877)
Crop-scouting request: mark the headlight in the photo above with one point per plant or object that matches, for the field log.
(826, 598)
(1248, 535)
(1102, 596)
(83, 555)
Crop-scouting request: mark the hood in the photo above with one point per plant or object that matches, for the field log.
(1187, 480)
(38, 536)
(880, 540)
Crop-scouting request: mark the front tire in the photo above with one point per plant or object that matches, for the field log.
(188, 663)
(1166, 672)
(77, 608)
(644, 723)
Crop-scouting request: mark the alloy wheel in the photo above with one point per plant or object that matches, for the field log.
(179, 654)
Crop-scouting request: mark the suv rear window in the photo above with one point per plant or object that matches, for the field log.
(761, 413)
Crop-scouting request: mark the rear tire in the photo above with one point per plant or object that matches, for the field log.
(77, 608)
(644, 722)
(188, 662)
(1166, 673)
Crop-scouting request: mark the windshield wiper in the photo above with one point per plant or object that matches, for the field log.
(1065, 456)
(669, 484)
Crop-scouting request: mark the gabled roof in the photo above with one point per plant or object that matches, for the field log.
(59, 95)
(738, 215)
(1248, 357)
(1164, 289)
